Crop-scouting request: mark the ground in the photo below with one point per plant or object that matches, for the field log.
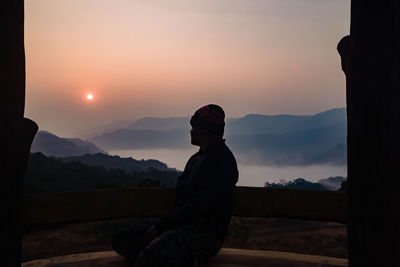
(275, 234)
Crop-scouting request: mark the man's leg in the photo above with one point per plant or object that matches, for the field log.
(178, 247)
(130, 241)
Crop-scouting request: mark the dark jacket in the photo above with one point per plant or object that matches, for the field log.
(205, 191)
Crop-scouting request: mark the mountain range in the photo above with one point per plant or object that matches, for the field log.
(128, 165)
(52, 145)
(78, 150)
(260, 139)
(279, 140)
(50, 175)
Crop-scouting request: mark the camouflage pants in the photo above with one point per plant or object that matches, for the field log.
(178, 247)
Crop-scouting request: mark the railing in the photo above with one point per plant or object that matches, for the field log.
(148, 201)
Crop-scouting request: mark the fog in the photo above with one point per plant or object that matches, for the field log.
(249, 175)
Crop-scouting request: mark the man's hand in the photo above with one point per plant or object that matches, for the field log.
(151, 234)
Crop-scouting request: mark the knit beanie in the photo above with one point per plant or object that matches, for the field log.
(209, 120)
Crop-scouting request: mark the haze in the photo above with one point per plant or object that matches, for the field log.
(167, 58)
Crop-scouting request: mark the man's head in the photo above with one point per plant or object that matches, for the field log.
(207, 124)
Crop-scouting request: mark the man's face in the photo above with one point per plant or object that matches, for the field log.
(195, 136)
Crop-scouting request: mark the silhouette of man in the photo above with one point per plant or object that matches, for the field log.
(195, 228)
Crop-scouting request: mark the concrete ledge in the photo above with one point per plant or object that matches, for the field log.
(226, 258)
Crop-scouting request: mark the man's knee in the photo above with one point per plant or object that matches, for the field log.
(170, 249)
(127, 244)
(118, 243)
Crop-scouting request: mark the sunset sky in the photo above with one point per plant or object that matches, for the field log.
(168, 58)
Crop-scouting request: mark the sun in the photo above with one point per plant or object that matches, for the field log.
(89, 96)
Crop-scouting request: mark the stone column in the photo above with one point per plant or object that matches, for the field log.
(16, 132)
(371, 61)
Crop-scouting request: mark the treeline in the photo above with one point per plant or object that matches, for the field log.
(48, 175)
(332, 183)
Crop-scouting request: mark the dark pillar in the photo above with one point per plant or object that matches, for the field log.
(373, 112)
(16, 132)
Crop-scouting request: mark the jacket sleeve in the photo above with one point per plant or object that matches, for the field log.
(214, 186)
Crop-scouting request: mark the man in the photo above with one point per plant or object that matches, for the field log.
(195, 228)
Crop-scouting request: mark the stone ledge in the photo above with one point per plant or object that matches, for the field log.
(226, 258)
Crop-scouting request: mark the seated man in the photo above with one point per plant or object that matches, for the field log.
(194, 229)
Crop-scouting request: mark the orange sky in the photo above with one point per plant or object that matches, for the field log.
(167, 58)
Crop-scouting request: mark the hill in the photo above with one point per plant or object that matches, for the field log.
(143, 139)
(315, 146)
(260, 139)
(249, 124)
(105, 128)
(154, 123)
(115, 162)
(278, 124)
(49, 175)
(52, 145)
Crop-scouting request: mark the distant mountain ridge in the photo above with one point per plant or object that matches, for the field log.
(278, 124)
(52, 145)
(77, 150)
(115, 162)
(261, 139)
(304, 147)
(154, 123)
(251, 123)
(278, 140)
(143, 139)
(50, 175)
(105, 128)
